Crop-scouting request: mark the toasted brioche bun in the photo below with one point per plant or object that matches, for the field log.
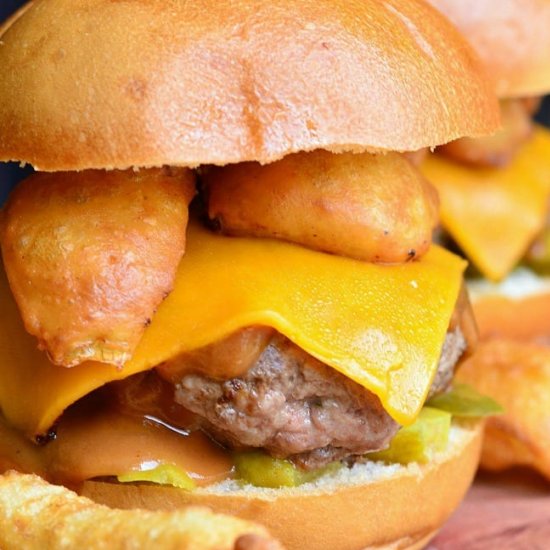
(511, 37)
(35, 515)
(94, 84)
(369, 506)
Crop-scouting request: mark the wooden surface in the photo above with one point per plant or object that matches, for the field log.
(509, 511)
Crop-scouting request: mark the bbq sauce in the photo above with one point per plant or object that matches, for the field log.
(125, 426)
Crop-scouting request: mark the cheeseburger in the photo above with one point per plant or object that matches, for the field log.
(219, 285)
(495, 200)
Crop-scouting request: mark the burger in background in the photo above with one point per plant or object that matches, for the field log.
(495, 199)
(225, 263)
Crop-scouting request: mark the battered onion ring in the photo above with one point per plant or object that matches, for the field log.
(90, 256)
(376, 208)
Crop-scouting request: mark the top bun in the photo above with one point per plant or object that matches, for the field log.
(97, 84)
(512, 37)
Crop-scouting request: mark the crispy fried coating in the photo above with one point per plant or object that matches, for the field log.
(417, 157)
(90, 256)
(500, 148)
(228, 358)
(376, 208)
(517, 375)
(37, 516)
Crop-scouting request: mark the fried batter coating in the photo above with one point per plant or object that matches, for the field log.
(90, 256)
(228, 358)
(417, 157)
(516, 375)
(35, 515)
(501, 148)
(376, 208)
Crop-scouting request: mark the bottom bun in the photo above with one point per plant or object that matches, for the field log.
(370, 506)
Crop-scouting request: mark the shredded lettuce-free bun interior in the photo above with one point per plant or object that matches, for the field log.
(371, 505)
(95, 84)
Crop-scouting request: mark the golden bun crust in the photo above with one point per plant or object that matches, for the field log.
(36, 515)
(366, 509)
(95, 84)
(511, 37)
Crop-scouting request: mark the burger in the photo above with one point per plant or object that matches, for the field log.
(219, 286)
(495, 200)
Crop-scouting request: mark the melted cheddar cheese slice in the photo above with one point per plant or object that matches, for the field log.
(495, 213)
(382, 326)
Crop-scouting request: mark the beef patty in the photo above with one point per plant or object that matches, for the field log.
(296, 407)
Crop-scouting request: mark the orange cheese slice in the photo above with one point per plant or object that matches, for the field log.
(495, 213)
(382, 326)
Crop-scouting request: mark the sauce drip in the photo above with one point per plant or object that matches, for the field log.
(126, 426)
